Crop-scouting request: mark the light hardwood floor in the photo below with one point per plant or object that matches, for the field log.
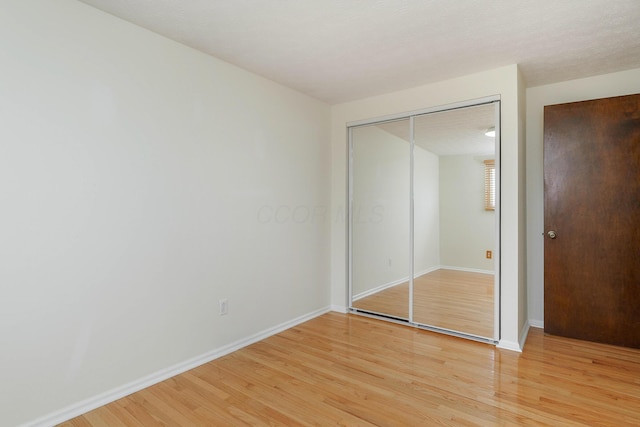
(457, 300)
(341, 369)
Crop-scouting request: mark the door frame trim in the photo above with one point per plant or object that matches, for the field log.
(436, 109)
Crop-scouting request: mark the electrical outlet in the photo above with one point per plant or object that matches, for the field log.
(489, 254)
(224, 307)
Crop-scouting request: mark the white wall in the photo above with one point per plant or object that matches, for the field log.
(506, 82)
(467, 230)
(140, 182)
(615, 84)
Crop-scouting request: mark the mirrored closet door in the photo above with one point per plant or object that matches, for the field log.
(380, 227)
(424, 219)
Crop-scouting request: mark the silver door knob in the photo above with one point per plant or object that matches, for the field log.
(552, 234)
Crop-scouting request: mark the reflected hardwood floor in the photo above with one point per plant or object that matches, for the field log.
(458, 300)
(349, 370)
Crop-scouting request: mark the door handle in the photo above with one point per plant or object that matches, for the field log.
(552, 234)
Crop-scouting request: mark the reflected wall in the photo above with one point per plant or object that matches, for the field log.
(380, 217)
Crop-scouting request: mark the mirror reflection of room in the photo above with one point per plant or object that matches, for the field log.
(381, 220)
(453, 223)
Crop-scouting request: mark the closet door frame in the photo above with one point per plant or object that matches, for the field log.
(349, 203)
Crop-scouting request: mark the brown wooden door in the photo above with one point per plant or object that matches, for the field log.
(592, 202)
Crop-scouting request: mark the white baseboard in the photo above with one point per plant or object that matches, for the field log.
(339, 309)
(470, 270)
(509, 345)
(102, 399)
(524, 333)
(536, 323)
(513, 345)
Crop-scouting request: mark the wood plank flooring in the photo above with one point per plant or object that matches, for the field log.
(457, 300)
(349, 370)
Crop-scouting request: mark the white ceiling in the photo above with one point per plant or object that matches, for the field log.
(341, 50)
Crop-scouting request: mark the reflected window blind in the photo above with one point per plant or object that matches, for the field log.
(489, 185)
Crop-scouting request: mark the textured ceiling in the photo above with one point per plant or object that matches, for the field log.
(340, 50)
(448, 133)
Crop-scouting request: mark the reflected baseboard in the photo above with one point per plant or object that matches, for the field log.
(418, 274)
(470, 270)
(379, 288)
(392, 284)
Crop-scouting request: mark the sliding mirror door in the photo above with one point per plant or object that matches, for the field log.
(424, 219)
(454, 286)
(380, 228)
